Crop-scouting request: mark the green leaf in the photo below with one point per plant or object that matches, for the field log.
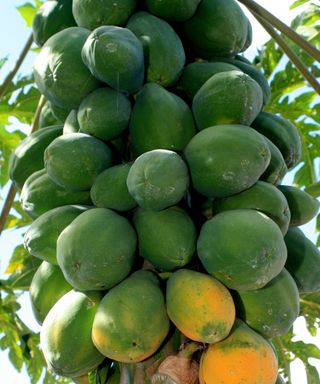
(28, 11)
(3, 61)
(312, 374)
(313, 189)
(298, 3)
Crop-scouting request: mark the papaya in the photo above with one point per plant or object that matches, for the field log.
(218, 28)
(59, 112)
(104, 12)
(47, 117)
(173, 10)
(27, 157)
(48, 285)
(242, 248)
(65, 352)
(158, 179)
(52, 17)
(277, 167)
(272, 309)
(195, 74)
(282, 133)
(243, 357)
(131, 321)
(59, 71)
(104, 113)
(73, 161)
(263, 197)
(214, 172)
(160, 119)
(40, 240)
(71, 123)
(163, 49)
(200, 306)
(167, 239)
(114, 55)
(97, 250)
(40, 194)
(230, 97)
(303, 261)
(303, 207)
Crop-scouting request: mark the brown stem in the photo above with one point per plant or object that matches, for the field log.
(278, 24)
(290, 53)
(7, 81)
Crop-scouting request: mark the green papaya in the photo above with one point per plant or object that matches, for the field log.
(71, 124)
(218, 28)
(214, 172)
(47, 117)
(73, 161)
(114, 55)
(59, 112)
(48, 285)
(277, 167)
(110, 190)
(230, 97)
(263, 251)
(103, 12)
(40, 240)
(173, 10)
(66, 353)
(263, 197)
(53, 16)
(272, 309)
(131, 321)
(40, 194)
(282, 133)
(303, 261)
(303, 207)
(160, 119)
(163, 49)
(196, 74)
(167, 238)
(27, 157)
(104, 113)
(97, 250)
(59, 71)
(158, 179)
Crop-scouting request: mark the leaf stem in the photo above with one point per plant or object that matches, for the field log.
(278, 24)
(281, 348)
(7, 81)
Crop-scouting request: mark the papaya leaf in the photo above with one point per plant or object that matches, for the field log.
(313, 189)
(3, 60)
(310, 309)
(298, 3)
(312, 374)
(28, 11)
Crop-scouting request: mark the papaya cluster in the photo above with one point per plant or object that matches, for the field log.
(155, 158)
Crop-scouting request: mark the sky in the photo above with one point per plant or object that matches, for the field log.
(14, 35)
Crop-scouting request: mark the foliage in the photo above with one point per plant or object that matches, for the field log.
(291, 97)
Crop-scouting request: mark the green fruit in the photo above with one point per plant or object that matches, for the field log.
(230, 97)
(97, 250)
(66, 335)
(114, 55)
(40, 240)
(75, 160)
(102, 12)
(214, 172)
(167, 238)
(131, 322)
(277, 167)
(47, 287)
(40, 194)
(158, 179)
(196, 74)
(242, 248)
(27, 157)
(270, 310)
(52, 17)
(168, 126)
(104, 113)
(263, 197)
(173, 10)
(71, 124)
(47, 117)
(59, 71)
(282, 133)
(303, 207)
(110, 189)
(163, 49)
(303, 261)
(218, 28)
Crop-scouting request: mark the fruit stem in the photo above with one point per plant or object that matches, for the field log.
(188, 349)
(278, 24)
(164, 275)
(7, 81)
